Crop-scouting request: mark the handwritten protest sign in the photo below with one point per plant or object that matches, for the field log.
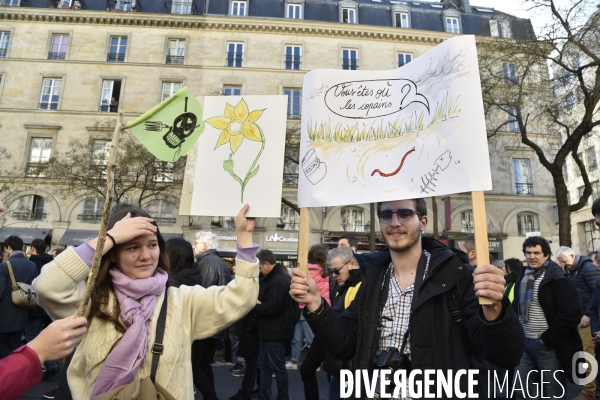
(416, 131)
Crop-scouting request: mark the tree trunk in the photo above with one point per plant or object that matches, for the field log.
(434, 208)
(564, 214)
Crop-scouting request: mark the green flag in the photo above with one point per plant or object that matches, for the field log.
(170, 129)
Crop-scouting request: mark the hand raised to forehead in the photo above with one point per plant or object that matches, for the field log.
(129, 228)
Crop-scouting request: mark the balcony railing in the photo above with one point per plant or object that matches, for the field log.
(47, 106)
(524, 189)
(108, 108)
(91, 217)
(165, 221)
(226, 224)
(2, 53)
(349, 64)
(97, 171)
(290, 180)
(36, 170)
(57, 56)
(234, 59)
(292, 62)
(28, 215)
(115, 57)
(288, 226)
(175, 60)
(294, 116)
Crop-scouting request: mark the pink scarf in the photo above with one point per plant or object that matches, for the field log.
(137, 299)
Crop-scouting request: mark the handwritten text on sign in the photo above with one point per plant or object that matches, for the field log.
(373, 98)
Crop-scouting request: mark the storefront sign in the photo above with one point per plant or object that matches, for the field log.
(277, 238)
(227, 238)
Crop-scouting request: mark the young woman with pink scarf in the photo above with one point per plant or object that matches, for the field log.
(125, 303)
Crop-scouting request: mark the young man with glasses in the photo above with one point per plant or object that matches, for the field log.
(419, 298)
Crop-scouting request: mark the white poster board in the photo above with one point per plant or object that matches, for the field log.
(416, 131)
(238, 157)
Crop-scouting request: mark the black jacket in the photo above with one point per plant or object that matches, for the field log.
(583, 276)
(560, 303)
(275, 309)
(13, 318)
(39, 260)
(248, 336)
(435, 338)
(213, 270)
(187, 277)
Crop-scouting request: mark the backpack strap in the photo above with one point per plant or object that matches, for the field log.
(453, 298)
(157, 346)
(12, 276)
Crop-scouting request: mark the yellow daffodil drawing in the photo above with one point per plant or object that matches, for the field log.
(236, 124)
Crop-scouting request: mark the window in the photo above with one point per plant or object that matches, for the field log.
(164, 171)
(182, 7)
(163, 212)
(510, 75)
(466, 222)
(590, 156)
(238, 8)
(289, 219)
(452, 25)
(500, 28)
(513, 124)
(293, 104)
(401, 20)
(353, 219)
(350, 59)
(176, 51)
(92, 210)
(565, 172)
(523, 181)
(40, 150)
(169, 89)
(50, 94)
(292, 57)
(58, 47)
(125, 5)
(294, 11)
(30, 208)
(99, 158)
(223, 222)
(65, 3)
(404, 58)
(349, 15)
(235, 54)
(527, 222)
(591, 235)
(13, 3)
(595, 190)
(232, 90)
(109, 100)
(576, 167)
(118, 47)
(4, 42)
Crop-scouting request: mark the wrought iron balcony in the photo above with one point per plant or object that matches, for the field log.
(97, 172)
(36, 170)
(292, 62)
(115, 57)
(57, 55)
(294, 116)
(108, 108)
(290, 180)
(524, 189)
(165, 221)
(29, 215)
(175, 60)
(91, 217)
(349, 64)
(47, 106)
(234, 59)
(288, 226)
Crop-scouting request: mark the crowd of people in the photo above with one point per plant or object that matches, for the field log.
(160, 310)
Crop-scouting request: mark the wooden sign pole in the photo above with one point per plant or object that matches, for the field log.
(303, 236)
(481, 236)
(112, 158)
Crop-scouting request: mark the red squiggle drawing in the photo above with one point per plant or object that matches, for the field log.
(397, 170)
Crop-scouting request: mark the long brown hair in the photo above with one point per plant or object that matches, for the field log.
(317, 254)
(104, 285)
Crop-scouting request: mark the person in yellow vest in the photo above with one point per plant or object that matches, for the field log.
(344, 268)
(514, 268)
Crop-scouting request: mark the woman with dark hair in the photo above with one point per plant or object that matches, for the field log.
(183, 264)
(514, 268)
(127, 299)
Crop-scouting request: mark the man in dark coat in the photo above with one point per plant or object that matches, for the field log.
(14, 319)
(548, 308)
(213, 272)
(275, 325)
(418, 298)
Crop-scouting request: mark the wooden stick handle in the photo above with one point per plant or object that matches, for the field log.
(303, 236)
(481, 236)
(112, 157)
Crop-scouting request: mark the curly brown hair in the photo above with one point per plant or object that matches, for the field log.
(317, 254)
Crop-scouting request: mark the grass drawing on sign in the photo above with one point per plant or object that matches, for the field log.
(379, 129)
(235, 124)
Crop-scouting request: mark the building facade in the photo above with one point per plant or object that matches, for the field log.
(68, 66)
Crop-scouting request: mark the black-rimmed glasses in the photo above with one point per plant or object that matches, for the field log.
(403, 215)
(337, 270)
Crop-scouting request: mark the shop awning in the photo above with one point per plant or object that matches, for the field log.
(281, 255)
(26, 234)
(75, 237)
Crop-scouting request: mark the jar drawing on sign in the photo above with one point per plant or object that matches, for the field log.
(314, 169)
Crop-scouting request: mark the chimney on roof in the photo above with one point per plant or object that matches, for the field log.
(465, 5)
